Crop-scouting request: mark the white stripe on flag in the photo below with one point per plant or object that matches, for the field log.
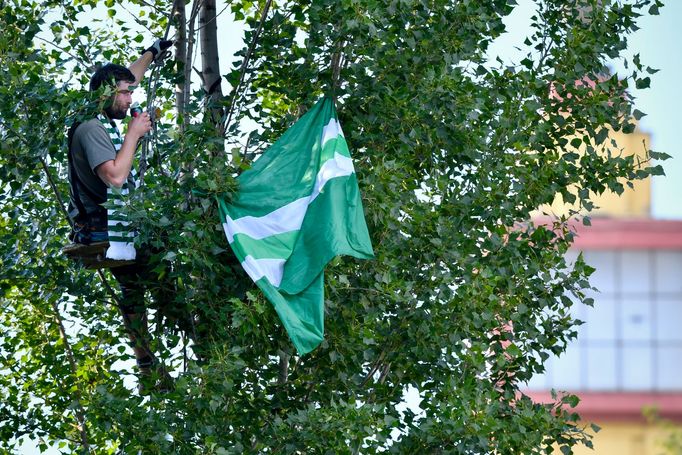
(289, 217)
(284, 219)
(330, 131)
(340, 166)
(272, 269)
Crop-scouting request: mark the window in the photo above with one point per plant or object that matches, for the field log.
(632, 337)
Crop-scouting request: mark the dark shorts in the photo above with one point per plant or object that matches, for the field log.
(90, 229)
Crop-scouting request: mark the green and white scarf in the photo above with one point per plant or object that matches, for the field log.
(120, 236)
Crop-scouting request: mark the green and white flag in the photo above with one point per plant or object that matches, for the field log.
(297, 208)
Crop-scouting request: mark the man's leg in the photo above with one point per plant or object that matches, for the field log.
(132, 307)
(153, 374)
(138, 333)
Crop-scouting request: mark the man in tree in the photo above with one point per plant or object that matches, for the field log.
(100, 165)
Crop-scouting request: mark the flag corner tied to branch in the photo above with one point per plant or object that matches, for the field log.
(297, 208)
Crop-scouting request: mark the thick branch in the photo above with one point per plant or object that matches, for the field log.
(283, 368)
(190, 52)
(179, 18)
(210, 62)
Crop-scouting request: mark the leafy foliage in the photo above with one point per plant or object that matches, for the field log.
(454, 151)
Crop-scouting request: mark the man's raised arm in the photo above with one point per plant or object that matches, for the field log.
(139, 66)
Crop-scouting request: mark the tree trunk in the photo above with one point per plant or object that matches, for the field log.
(180, 19)
(210, 63)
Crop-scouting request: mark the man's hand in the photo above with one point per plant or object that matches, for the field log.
(139, 125)
(115, 172)
(159, 47)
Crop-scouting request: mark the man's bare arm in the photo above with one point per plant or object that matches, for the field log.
(139, 66)
(115, 172)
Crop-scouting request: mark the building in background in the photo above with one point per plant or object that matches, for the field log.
(628, 354)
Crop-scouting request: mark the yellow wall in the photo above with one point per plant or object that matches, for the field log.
(634, 202)
(631, 439)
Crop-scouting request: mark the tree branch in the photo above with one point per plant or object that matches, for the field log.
(56, 192)
(283, 367)
(188, 55)
(80, 412)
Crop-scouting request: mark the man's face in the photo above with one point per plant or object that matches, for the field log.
(122, 100)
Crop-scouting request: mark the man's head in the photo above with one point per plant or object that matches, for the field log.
(120, 78)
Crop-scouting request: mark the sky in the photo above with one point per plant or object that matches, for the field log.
(658, 43)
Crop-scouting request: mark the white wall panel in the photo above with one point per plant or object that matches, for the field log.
(565, 370)
(600, 320)
(669, 320)
(604, 278)
(635, 272)
(635, 319)
(668, 275)
(601, 368)
(637, 364)
(669, 366)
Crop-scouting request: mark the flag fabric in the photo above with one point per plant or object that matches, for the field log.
(297, 208)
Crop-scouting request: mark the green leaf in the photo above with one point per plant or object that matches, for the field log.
(656, 170)
(659, 155)
(643, 82)
(571, 400)
(638, 114)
